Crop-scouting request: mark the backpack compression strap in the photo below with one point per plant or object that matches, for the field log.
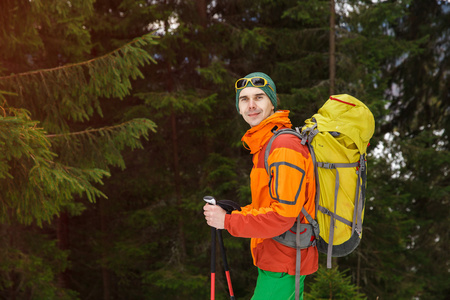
(332, 215)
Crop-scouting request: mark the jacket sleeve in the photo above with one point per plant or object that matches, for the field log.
(281, 194)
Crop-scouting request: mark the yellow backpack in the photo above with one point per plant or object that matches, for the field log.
(337, 137)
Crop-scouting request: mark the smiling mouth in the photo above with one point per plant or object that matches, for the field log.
(253, 114)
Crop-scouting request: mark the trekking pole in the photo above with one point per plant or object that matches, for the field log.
(212, 201)
(213, 263)
(225, 264)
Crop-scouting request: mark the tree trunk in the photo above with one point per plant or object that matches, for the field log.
(203, 15)
(177, 182)
(176, 168)
(332, 47)
(62, 234)
(201, 10)
(106, 277)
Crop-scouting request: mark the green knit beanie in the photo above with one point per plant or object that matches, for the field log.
(272, 94)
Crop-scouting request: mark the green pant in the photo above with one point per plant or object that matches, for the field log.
(279, 286)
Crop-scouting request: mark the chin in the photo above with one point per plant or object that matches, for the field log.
(253, 124)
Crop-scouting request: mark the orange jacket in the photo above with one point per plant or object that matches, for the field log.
(276, 200)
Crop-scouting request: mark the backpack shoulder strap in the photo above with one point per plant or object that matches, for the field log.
(269, 144)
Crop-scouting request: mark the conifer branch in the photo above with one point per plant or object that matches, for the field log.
(103, 129)
(140, 41)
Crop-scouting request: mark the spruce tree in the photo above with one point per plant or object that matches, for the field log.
(332, 284)
(53, 154)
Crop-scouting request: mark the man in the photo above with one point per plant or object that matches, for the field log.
(276, 199)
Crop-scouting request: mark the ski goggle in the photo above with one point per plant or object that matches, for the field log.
(256, 82)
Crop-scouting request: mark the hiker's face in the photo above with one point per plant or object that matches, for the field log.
(254, 105)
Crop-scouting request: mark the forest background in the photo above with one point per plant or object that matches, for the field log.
(118, 116)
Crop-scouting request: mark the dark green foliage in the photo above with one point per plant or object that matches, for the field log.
(30, 260)
(38, 34)
(50, 156)
(79, 86)
(34, 185)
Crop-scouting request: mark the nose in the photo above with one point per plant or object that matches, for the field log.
(251, 104)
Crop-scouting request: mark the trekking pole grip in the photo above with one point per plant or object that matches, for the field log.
(210, 200)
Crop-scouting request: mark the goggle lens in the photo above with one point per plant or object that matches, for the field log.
(241, 83)
(258, 81)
